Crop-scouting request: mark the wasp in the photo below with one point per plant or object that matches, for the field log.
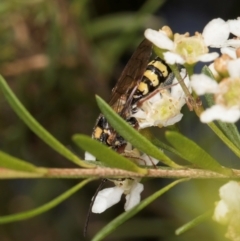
(139, 79)
(122, 96)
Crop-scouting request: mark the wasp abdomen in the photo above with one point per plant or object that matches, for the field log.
(157, 72)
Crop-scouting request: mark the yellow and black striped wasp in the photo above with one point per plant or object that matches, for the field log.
(122, 95)
(138, 80)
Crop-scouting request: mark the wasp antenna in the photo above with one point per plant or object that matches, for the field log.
(91, 205)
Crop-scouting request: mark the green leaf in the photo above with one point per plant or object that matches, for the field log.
(106, 155)
(133, 136)
(194, 153)
(224, 138)
(231, 132)
(196, 221)
(14, 163)
(110, 227)
(147, 134)
(28, 119)
(45, 207)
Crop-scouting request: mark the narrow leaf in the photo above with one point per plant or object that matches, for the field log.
(45, 207)
(28, 119)
(133, 136)
(224, 138)
(147, 134)
(106, 155)
(194, 153)
(14, 163)
(110, 227)
(193, 223)
(231, 131)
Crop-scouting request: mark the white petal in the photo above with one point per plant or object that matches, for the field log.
(145, 124)
(89, 157)
(218, 112)
(229, 51)
(230, 194)
(221, 212)
(215, 32)
(140, 114)
(235, 43)
(170, 121)
(234, 26)
(207, 57)
(107, 198)
(133, 198)
(148, 160)
(234, 68)
(159, 39)
(203, 84)
(173, 58)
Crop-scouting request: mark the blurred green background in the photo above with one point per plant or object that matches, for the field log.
(56, 55)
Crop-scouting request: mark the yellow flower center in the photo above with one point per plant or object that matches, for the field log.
(229, 92)
(190, 47)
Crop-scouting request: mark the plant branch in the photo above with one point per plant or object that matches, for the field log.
(72, 173)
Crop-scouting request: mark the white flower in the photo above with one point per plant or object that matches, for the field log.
(203, 84)
(106, 198)
(230, 194)
(229, 204)
(221, 212)
(216, 32)
(131, 187)
(218, 112)
(191, 49)
(110, 196)
(234, 26)
(163, 109)
(227, 210)
(226, 94)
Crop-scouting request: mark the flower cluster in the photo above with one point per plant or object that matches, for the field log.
(227, 210)
(188, 50)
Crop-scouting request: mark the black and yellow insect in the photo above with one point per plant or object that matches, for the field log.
(139, 79)
(122, 95)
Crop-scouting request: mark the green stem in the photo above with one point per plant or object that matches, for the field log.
(192, 103)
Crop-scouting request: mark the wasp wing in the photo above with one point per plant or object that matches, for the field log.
(131, 76)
